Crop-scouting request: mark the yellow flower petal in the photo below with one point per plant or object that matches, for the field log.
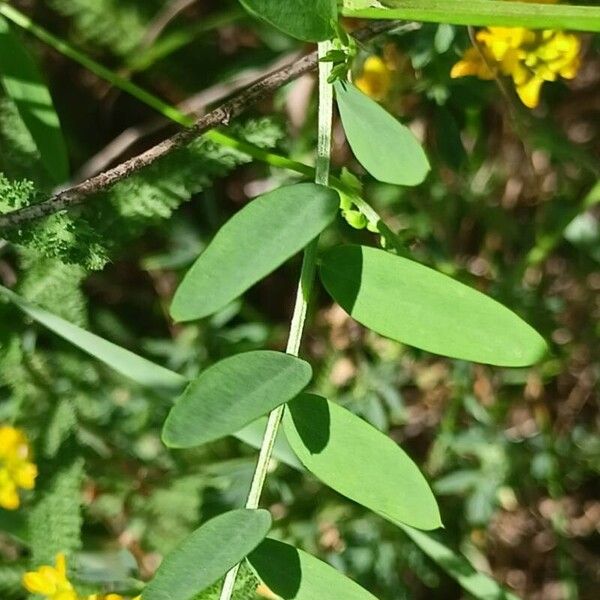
(472, 63)
(51, 581)
(66, 595)
(25, 476)
(529, 92)
(9, 439)
(16, 468)
(61, 565)
(111, 596)
(37, 584)
(570, 70)
(9, 499)
(375, 79)
(528, 57)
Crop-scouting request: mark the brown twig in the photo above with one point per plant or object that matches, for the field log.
(196, 105)
(221, 115)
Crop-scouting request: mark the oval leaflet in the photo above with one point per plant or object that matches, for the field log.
(308, 20)
(376, 473)
(253, 243)
(231, 394)
(293, 574)
(384, 147)
(207, 554)
(413, 304)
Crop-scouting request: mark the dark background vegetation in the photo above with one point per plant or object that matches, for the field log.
(513, 455)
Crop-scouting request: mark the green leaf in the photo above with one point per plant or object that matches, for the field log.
(123, 361)
(484, 12)
(308, 20)
(416, 305)
(14, 524)
(478, 584)
(232, 393)
(383, 146)
(359, 462)
(293, 574)
(207, 554)
(136, 368)
(24, 85)
(254, 242)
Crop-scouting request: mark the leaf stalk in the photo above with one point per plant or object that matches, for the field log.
(305, 286)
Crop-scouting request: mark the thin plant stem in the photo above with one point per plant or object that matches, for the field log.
(175, 41)
(172, 113)
(165, 109)
(76, 194)
(307, 276)
(264, 156)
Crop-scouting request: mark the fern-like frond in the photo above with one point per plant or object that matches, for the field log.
(116, 25)
(55, 521)
(87, 236)
(54, 286)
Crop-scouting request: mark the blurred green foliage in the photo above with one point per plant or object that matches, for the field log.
(510, 208)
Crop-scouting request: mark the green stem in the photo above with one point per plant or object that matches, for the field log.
(172, 42)
(307, 276)
(173, 114)
(485, 13)
(168, 111)
(270, 158)
(282, 162)
(165, 109)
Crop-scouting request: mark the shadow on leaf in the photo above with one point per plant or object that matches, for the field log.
(310, 414)
(278, 566)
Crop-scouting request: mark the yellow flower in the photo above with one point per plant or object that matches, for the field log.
(529, 57)
(375, 79)
(16, 468)
(51, 582)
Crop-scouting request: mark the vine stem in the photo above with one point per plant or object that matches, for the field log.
(305, 286)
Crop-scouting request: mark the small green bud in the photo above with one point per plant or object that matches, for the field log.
(355, 219)
(372, 227)
(345, 201)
